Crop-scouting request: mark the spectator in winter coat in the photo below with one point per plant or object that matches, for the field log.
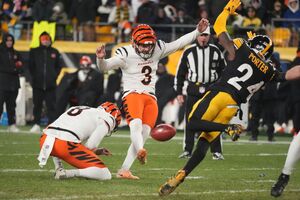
(44, 67)
(10, 69)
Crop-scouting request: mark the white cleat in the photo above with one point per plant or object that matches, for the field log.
(60, 173)
(13, 128)
(217, 156)
(35, 129)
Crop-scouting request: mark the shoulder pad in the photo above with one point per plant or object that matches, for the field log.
(238, 42)
(160, 44)
(122, 51)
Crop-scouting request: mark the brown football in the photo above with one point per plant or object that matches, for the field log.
(163, 132)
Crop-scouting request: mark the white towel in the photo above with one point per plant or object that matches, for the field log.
(46, 150)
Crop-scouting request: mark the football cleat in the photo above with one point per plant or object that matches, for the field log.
(172, 183)
(13, 128)
(217, 156)
(60, 173)
(126, 174)
(185, 154)
(35, 128)
(142, 156)
(279, 186)
(234, 131)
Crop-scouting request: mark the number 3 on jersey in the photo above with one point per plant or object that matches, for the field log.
(146, 70)
(235, 81)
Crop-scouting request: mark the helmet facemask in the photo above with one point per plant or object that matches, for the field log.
(144, 50)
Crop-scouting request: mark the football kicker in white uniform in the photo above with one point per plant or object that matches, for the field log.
(292, 158)
(138, 63)
(64, 138)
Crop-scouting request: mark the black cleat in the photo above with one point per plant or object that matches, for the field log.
(279, 186)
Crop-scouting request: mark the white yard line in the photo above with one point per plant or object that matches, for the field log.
(25, 170)
(28, 132)
(146, 169)
(19, 154)
(107, 196)
(259, 181)
(177, 138)
(163, 154)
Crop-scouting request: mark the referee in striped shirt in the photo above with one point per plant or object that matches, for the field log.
(201, 65)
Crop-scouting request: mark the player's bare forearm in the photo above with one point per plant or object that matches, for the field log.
(293, 73)
(227, 43)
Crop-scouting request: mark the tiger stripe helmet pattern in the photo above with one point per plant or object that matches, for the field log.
(143, 40)
(112, 109)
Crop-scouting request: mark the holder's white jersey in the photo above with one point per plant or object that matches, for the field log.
(79, 123)
(138, 74)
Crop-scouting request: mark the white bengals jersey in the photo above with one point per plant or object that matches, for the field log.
(78, 123)
(138, 74)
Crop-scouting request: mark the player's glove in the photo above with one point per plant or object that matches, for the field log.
(102, 151)
(231, 6)
(234, 131)
(250, 35)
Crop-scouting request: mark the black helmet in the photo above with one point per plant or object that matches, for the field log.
(263, 44)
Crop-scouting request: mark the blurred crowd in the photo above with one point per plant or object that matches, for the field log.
(121, 15)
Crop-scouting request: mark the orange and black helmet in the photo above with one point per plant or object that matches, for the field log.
(112, 109)
(144, 35)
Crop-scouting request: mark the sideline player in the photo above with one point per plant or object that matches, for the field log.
(247, 71)
(138, 63)
(63, 139)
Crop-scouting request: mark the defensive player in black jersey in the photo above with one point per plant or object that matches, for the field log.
(248, 70)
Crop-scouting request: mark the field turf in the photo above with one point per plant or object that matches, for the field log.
(248, 171)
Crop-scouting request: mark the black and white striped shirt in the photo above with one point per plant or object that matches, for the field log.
(199, 65)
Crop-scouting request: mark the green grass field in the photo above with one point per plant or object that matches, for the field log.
(248, 171)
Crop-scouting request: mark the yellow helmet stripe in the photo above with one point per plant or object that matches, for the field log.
(267, 47)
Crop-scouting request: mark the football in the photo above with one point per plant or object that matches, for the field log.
(163, 132)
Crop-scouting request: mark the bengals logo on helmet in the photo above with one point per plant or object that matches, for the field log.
(112, 109)
(143, 40)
